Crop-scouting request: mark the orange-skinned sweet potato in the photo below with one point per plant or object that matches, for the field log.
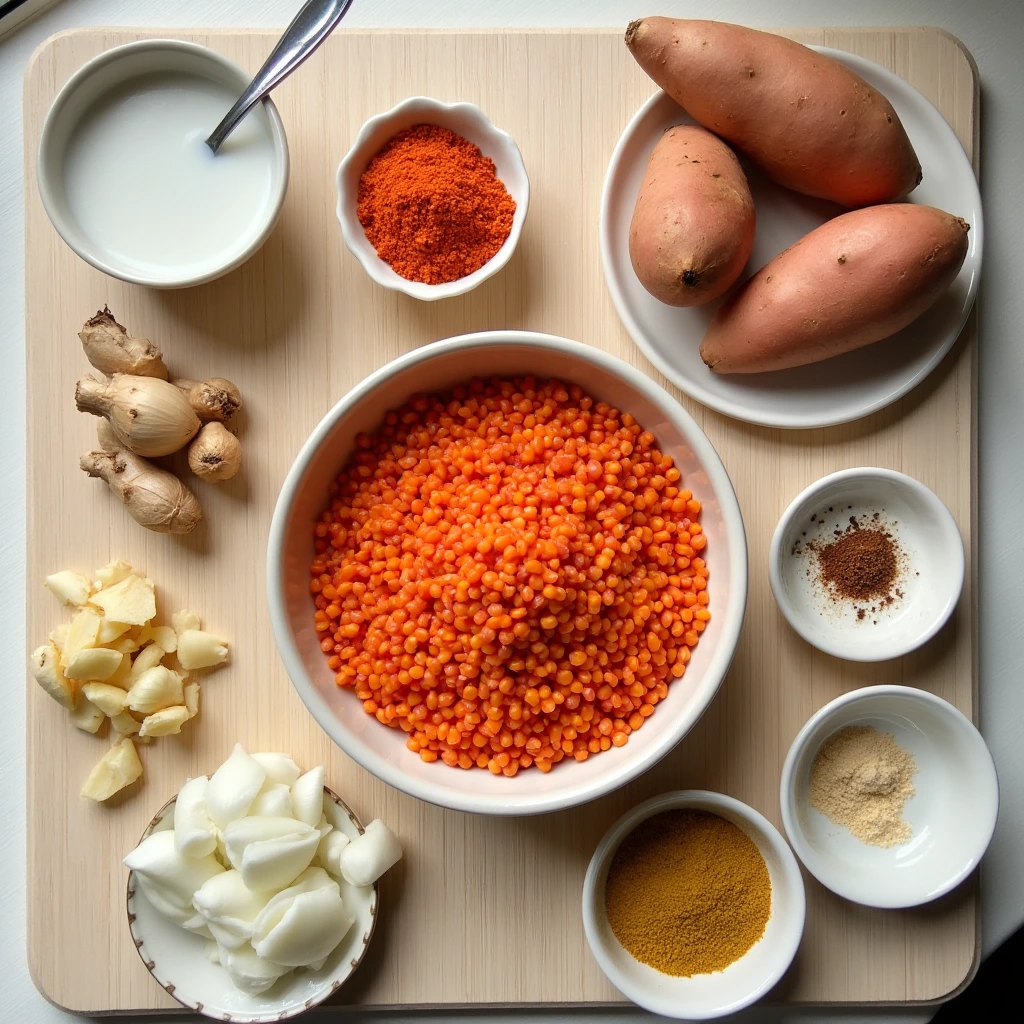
(807, 121)
(857, 279)
(693, 224)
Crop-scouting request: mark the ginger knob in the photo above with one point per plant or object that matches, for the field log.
(215, 453)
(111, 349)
(213, 399)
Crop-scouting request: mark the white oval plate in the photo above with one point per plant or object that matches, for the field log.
(177, 958)
(837, 390)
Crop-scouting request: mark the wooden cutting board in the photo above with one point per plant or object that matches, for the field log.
(483, 910)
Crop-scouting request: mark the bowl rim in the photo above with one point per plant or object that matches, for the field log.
(876, 651)
(270, 1015)
(512, 804)
(796, 754)
(352, 231)
(48, 189)
(697, 799)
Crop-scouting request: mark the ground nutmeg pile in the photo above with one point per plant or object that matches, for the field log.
(511, 573)
(432, 205)
(688, 893)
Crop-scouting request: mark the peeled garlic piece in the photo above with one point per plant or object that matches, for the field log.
(329, 851)
(368, 856)
(195, 834)
(298, 929)
(279, 767)
(229, 907)
(270, 852)
(233, 787)
(273, 801)
(172, 878)
(69, 587)
(308, 796)
(249, 972)
(155, 689)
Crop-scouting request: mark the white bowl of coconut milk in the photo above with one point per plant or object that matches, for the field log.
(128, 181)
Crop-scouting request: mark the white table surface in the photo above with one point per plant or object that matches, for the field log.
(992, 30)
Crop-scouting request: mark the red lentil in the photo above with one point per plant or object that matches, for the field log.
(511, 573)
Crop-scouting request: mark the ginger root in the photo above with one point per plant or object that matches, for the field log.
(213, 399)
(155, 498)
(111, 349)
(215, 453)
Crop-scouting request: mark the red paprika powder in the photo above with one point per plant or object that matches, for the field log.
(432, 205)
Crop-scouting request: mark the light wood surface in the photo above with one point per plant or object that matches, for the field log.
(483, 910)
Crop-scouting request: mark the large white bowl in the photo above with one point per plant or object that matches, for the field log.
(702, 996)
(304, 495)
(952, 812)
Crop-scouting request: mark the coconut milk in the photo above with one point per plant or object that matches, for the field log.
(146, 189)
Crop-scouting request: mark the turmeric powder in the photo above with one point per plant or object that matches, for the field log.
(688, 893)
(432, 205)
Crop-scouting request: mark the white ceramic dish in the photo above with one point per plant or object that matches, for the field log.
(103, 79)
(382, 751)
(931, 575)
(952, 813)
(177, 958)
(702, 996)
(833, 391)
(465, 119)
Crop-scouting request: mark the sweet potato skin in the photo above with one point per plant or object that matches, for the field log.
(806, 120)
(855, 280)
(693, 224)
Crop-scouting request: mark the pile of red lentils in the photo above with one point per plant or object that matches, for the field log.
(511, 574)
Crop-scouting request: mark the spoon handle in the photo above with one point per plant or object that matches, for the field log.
(310, 27)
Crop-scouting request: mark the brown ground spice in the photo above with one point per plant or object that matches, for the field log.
(861, 564)
(688, 893)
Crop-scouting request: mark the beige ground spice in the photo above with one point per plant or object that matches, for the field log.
(861, 778)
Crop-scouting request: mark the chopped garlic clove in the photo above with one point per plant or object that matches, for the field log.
(122, 677)
(110, 630)
(155, 689)
(69, 587)
(81, 635)
(195, 834)
(86, 716)
(111, 573)
(163, 636)
(180, 621)
(157, 864)
(109, 699)
(94, 665)
(273, 801)
(270, 852)
(165, 722)
(191, 692)
(119, 767)
(300, 929)
(368, 856)
(329, 851)
(229, 907)
(251, 973)
(131, 600)
(125, 724)
(233, 787)
(59, 635)
(197, 649)
(149, 657)
(46, 670)
(280, 768)
(308, 796)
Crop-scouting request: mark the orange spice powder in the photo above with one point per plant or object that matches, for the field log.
(511, 573)
(432, 205)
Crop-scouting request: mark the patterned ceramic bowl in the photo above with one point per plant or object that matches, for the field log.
(177, 958)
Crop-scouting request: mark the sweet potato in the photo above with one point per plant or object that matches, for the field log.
(693, 224)
(807, 121)
(857, 279)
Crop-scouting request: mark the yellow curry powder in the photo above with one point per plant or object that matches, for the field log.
(688, 893)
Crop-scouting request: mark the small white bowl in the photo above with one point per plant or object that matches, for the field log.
(177, 958)
(952, 813)
(99, 78)
(931, 573)
(306, 492)
(465, 119)
(702, 996)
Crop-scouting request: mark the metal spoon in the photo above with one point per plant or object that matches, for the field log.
(310, 27)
